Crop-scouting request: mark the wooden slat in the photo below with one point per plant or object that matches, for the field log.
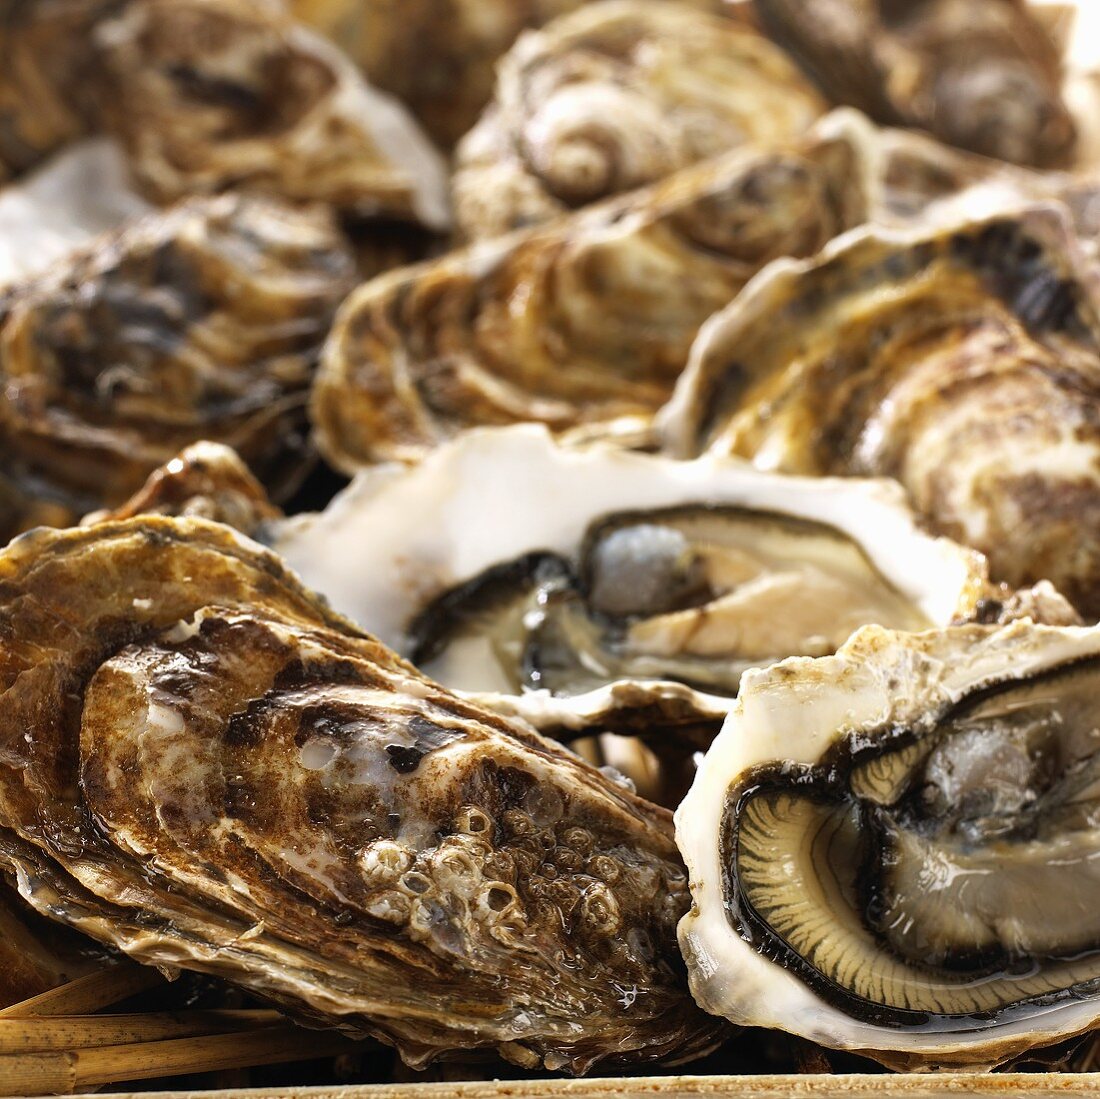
(90, 993)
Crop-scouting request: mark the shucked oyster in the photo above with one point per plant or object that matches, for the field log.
(582, 322)
(981, 74)
(893, 850)
(617, 95)
(213, 94)
(202, 322)
(597, 587)
(435, 55)
(207, 768)
(963, 361)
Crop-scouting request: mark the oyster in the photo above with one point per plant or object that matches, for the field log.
(209, 769)
(892, 850)
(577, 324)
(617, 95)
(981, 74)
(964, 361)
(201, 322)
(204, 481)
(215, 94)
(601, 589)
(435, 55)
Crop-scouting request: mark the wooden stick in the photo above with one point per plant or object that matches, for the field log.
(42, 1033)
(89, 993)
(75, 1070)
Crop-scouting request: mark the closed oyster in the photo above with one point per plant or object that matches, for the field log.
(201, 322)
(617, 95)
(209, 769)
(580, 323)
(601, 589)
(435, 55)
(215, 94)
(893, 850)
(204, 481)
(981, 74)
(963, 361)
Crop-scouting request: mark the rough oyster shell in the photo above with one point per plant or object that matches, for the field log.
(580, 323)
(201, 322)
(207, 768)
(480, 516)
(981, 74)
(891, 850)
(963, 361)
(212, 94)
(614, 96)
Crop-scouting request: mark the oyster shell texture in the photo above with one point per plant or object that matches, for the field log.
(963, 360)
(616, 95)
(981, 74)
(204, 321)
(578, 324)
(207, 768)
(523, 605)
(892, 850)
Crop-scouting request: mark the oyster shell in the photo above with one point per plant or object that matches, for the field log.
(601, 589)
(981, 74)
(577, 324)
(209, 769)
(614, 96)
(212, 94)
(963, 361)
(892, 850)
(201, 322)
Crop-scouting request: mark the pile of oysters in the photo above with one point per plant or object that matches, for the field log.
(442, 440)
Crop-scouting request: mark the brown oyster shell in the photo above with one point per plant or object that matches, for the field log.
(207, 768)
(212, 94)
(981, 74)
(202, 322)
(963, 360)
(584, 323)
(615, 96)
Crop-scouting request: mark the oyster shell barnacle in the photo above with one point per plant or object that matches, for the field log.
(963, 360)
(892, 850)
(209, 769)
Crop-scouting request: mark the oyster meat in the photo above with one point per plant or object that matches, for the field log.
(577, 324)
(893, 850)
(214, 94)
(616, 95)
(201, 322)
(598, 588)
(981, 74)
(209, 769)
(962, 360)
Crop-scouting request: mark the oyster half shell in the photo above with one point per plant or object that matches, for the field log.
(981, 74)
(204, 321)
(963, 360)
(207, 768)
(616, 95)
(893, 850)
(598, 588)
(578, 324)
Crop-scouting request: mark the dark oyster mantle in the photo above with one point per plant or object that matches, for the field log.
(207, 768)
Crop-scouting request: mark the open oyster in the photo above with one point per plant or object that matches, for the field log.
(981, 74)
(583, 322)
(893, 850)
(201, 322)
(617, 95)
(963, 361)
(207, 768)
(602, 589)
(213, 94)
